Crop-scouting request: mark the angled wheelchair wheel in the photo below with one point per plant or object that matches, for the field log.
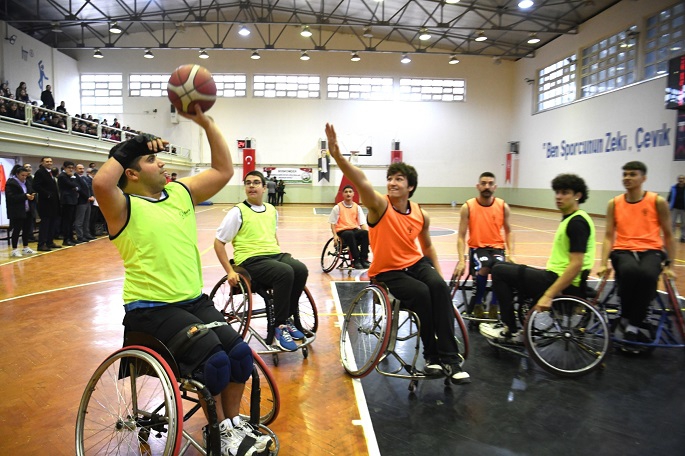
(330, 255)
(235, 303)
(570, 340)
(308, 316)
(269, 399)
(365, 331)
(675, 306)
(131, 406)
(461, 334)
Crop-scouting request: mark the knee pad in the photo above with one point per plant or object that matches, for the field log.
(217, 372)
(241, 362)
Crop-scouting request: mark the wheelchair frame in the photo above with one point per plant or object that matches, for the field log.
(143, 379)
(237, 305)
(373, 328)
(334, 252)
(467, 284)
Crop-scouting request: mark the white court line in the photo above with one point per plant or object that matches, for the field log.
(365, 421)
(70, 287)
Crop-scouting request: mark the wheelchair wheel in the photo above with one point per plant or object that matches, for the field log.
(365, 331)
(309, 317)
(131, 405)
(570, 340)
(675, 306)
(461, 334)
(235, 303)
(330, 255)
(269, 399)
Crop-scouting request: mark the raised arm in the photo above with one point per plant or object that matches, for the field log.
(374, 201)
(206, 184)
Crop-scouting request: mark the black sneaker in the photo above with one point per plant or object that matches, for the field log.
(456, 375)
(54, 246)
(358, 265)
(629, 347)
(432, 367)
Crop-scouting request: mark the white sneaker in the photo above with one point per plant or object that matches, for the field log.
(245, 429)
(231, 440)
(15, 253)
(500, 333)
(28, 250)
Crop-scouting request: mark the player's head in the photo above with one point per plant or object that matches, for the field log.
(635, 166)
(408, 171)
(571, 182)
(250, 177)
(348, 192)
(486, 184)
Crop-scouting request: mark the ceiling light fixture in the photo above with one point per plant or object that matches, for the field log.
(115, 28)
(405, 58)
(368, 33)
(355, 57)
(451, 2)
(149, 54)
(481, 36)
(306, 32)
(304, 56)
(203, 54)
(255, 56)
(525, 4)
(97, 54)
(424, 35)
(243, 31)
(453, 60)
(180, 27)
(533, 39)
(56, 28)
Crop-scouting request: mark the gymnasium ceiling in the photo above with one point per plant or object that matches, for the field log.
(337, 25)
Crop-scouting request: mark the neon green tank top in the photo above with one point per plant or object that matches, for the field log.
(257, 234)
(159, 247)
(560, 258)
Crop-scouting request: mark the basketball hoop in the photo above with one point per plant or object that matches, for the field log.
(354, 157)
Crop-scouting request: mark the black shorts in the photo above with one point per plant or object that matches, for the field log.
(486, 257)
(164, 322)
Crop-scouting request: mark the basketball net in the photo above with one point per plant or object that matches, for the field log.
(354, 157)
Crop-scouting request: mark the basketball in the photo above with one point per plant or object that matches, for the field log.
(191, 85)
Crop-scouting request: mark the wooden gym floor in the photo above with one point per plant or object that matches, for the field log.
(61, 313)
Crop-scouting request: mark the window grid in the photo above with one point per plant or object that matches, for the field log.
(102, 94)
(432, 89)
(286, 86)
(359, 88)
(155, 85)
(557, 83)
(663, 39)
(609, 63)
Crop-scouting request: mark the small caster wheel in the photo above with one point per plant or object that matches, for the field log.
(144, 434)
(413, 385)
(275, 359)
(305, 352)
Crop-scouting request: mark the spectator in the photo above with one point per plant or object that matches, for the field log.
(85, 200)
(48, 205)
(62, 108)
(174, 176)
(21, 88)
(20, 197)
(676, 202)
(34, 206)
(280, 191)
(47, 98)
(271, 189)
(5, 90)
(68, 185)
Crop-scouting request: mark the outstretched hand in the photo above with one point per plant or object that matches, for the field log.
(332, 140)
(199, 117)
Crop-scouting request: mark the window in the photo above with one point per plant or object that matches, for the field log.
(432, 89)
(147, 85)
(557, 84)
(663, 39)
(102, 93)
(359, 88)
(155, 85)
(286, 86)
(609, 63)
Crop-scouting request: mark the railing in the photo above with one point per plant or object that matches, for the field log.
(33, 116)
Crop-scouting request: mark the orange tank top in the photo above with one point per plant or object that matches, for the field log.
(348, 218)
(485, 224)
(637, 224)
(393, 239)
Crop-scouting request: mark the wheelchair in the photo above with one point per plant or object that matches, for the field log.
(571, 339)
(378, 333)
(248, 307)
(133, 404)
(463, 301)
(664, 326)
(334, 253)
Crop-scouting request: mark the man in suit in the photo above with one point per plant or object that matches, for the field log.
(68, 185)
(85, 200)
(48, 204)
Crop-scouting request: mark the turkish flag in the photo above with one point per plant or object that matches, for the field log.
(248, 161)
(3, 178)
